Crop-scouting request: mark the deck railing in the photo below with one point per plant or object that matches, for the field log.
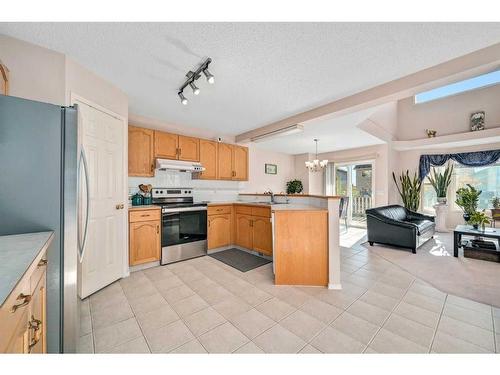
(360, 204)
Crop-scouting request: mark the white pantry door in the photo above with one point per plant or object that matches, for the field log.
(105, 248)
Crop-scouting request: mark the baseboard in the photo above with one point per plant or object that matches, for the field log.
(335, 286)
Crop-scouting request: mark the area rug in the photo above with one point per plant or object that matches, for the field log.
(478, 280)
(239, 259)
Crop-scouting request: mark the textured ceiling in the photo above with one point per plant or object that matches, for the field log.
(264, 71)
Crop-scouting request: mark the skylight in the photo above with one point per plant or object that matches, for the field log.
(478, 82)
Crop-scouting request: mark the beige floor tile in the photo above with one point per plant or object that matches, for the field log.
(111, 336)
(85, 344)
(424, 302)
(214, 294)
(357, 328)
(337, 298)
(168, 283)
(223, 339)
(388, 290)
(303, 325)
(103, 301)
(467, 303)
(368, 312)
(388, 342)
(157, 273)
(249, 348)
(231, 306)
(370, 351)
(151, 320)
(191, 276)
(497, 338)
(279, 340)
(111, 315)
(293, 296)
(85, 307)
(332, 340)
(417, 314)
(252, 323)
(200, 283)
(191, 347)
(136, 346)
(133, 279)
(189, 305)
(476, 318)
(276, 309)
(399, 281)
(85, 325)
(367, 274)
(467, 332)
(148, 303)
(169, 337)
(177, 293)
(254, 296)
(379, 300)
(496, 312)
(203, 321)
(496, 324)
(361, 281)
(427, 290)
(444, 343)
(309, 349)
(321, 310)
(411, 330)
(142, 290)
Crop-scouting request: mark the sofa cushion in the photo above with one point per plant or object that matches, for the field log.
(423, 225)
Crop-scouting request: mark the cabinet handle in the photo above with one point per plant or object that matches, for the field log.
(35, 325)
(157, 229)
(25, 298)
(144, 215)
(152, 167)
(43, 262)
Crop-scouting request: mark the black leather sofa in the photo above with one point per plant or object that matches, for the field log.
(395, 225)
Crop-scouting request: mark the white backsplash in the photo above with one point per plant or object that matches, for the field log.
(204, 190)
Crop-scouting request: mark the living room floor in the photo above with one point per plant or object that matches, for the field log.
(202, 305)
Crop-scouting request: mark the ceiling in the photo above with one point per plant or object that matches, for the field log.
(339, 133)
(264, 71)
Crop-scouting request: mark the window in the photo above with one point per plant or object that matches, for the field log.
(478, 82)
(486, 179)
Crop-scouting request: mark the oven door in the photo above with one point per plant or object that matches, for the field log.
(183, 225)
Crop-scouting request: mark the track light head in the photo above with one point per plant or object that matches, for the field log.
(195, 88)
(183, 98)
(210, 76)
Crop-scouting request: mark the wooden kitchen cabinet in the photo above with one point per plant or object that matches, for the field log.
(219, 231)
(140, 152)
(208, 158)
(232, 162)
(36, 326)
(166, 145)
(262, 235)
(144, 236)
(189, 148)
(224, 162)
(240, 163)
(244, 231)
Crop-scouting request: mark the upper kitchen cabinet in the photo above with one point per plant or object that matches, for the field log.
(224, 162)
(140, 152)
(166, 145)
(240, 163)
(189, 148)
(208, 158)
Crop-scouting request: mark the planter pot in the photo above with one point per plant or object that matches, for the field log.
(466, 218)
(442, 200)
(475, 226)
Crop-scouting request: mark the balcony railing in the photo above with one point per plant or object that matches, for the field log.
(360, 204)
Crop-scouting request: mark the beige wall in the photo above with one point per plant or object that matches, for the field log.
(36, 73)
(449, 115)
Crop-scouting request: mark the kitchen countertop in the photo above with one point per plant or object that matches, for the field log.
(145, 207)
(274, 207)
(17, 253)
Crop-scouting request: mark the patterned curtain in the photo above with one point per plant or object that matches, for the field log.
(470, 159)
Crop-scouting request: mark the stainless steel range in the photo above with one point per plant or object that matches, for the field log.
(184, 224)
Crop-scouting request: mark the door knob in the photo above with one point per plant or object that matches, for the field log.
(120, 206)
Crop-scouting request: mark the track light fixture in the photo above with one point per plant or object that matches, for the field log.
(192, 77)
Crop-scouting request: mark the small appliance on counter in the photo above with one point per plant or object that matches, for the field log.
(137, 199)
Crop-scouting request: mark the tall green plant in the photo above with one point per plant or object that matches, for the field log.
(441, 181)
(468, 198)
(409, 189)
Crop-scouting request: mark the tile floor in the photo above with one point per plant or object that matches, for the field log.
(202, 305)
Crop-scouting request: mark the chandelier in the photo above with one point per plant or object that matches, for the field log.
(316, 165)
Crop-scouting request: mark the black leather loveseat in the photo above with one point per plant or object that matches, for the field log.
(395, 225)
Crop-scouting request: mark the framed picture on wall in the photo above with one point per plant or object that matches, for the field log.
(271, 169)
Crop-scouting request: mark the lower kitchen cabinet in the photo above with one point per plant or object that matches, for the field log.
(219, 231)
(144, 236)
(244, 231)
(262, 235)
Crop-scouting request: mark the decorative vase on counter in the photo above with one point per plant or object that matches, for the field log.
(137, 199)
(466, 218)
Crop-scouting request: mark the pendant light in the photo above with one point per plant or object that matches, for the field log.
(316, 165)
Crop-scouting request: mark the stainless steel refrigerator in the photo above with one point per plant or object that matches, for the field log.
(39, 165)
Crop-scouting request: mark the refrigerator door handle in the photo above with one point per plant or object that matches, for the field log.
(81, 242)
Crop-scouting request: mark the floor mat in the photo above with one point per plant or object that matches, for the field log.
(241, 260)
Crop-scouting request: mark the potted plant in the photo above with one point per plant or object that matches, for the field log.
(294, 187)
(495, 211)
(479, 219)
(467, 200)
(409, 190)
(440, 182)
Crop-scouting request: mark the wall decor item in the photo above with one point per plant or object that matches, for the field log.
(271, 169)
(4, 79)
(477, 121)
(431, 133)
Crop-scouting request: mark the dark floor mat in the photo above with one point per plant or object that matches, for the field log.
(241, 260)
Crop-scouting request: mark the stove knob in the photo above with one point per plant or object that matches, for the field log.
(161, 191)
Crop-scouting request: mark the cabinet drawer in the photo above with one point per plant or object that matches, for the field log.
(10, 316)
(261, 211)
(247, 210)
(146, 215)
(217, 210)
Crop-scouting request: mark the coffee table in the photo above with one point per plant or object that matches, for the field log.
(468, 230)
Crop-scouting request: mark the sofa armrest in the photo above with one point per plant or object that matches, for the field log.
(418, 216)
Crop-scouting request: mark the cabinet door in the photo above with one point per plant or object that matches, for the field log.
(240, 163)
(189, 148)
(144, 242)
(19, 343)
(244, 233)
(140, 152)
(219, 231)
(262, 235)
(37, 320)
(208, 159)
(225, 162)
(166, 145)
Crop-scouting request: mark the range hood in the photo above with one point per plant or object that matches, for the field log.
(176, 165)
